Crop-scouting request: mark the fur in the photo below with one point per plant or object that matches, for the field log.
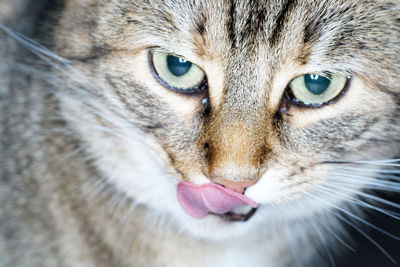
(93, 146)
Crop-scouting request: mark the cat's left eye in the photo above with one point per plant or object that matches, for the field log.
(177, 73)
(312, 90)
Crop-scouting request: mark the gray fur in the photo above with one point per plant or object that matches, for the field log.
(76, 122)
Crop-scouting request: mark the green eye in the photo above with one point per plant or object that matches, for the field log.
(315, 90)
(177, 73)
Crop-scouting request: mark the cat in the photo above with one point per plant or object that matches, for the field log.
(194, 133)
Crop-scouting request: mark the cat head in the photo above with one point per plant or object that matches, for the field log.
(265, 98)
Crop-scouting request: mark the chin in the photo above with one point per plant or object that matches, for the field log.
(216, 228)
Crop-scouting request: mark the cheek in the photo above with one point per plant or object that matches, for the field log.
(270, 188)
(288, 175)
(281, 183)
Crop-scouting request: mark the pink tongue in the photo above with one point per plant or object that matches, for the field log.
(199, 200)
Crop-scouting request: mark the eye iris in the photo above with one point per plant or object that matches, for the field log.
(316, 84)
(178, 66)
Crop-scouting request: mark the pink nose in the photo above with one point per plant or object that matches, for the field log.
(237, 186)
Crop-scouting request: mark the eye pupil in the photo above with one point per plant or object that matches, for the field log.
(178, 66)
(316, 84)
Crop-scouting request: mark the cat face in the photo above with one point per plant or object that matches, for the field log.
(263, 97)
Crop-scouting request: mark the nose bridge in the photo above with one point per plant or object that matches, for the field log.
(236, 146)
(236, 136)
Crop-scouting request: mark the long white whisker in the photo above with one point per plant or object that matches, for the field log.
(93, 107)
(371, 162)
(46, 55)
(379, 188)
(60, 82)
(32, 45)
(368, 185)
(370, 182)
(337, 237)
(388, 177)
(382, 164)
(357, 201)
(375, 198)
(358, 229)
(352, 215)
(378, 170)
(354, 226)
(86, 98)
(378, 161)
(323, 243)
(363, 181)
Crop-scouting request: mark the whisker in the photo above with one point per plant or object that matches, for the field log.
(32, 45)
(96, 187)
(382, 164)
(358, 229)
(375, 198)
(355, 227)
(367, 185)
(379, 161)
(337, 237)
(352, 215)
(378, 170)
(46, 55)
(323, 243)
(129, 212)
(371, 162)
(370, 184)
(89, 100)
(93, 107)
(358, 202)
(60, 82)
(361, 181)
(388, 176)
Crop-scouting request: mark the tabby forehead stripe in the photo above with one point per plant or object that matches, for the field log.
(312, 30)
(200, 24)
(254, 22)
(231, 24)
(287, 8)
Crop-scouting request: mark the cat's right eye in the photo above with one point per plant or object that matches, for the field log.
(177, 74)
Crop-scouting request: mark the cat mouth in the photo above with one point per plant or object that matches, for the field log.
(236, 217)
(200, 200)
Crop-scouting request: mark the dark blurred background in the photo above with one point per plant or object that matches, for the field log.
(367, 254)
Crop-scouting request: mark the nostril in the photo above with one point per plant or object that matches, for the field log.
(237, 186)
(206, 146)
